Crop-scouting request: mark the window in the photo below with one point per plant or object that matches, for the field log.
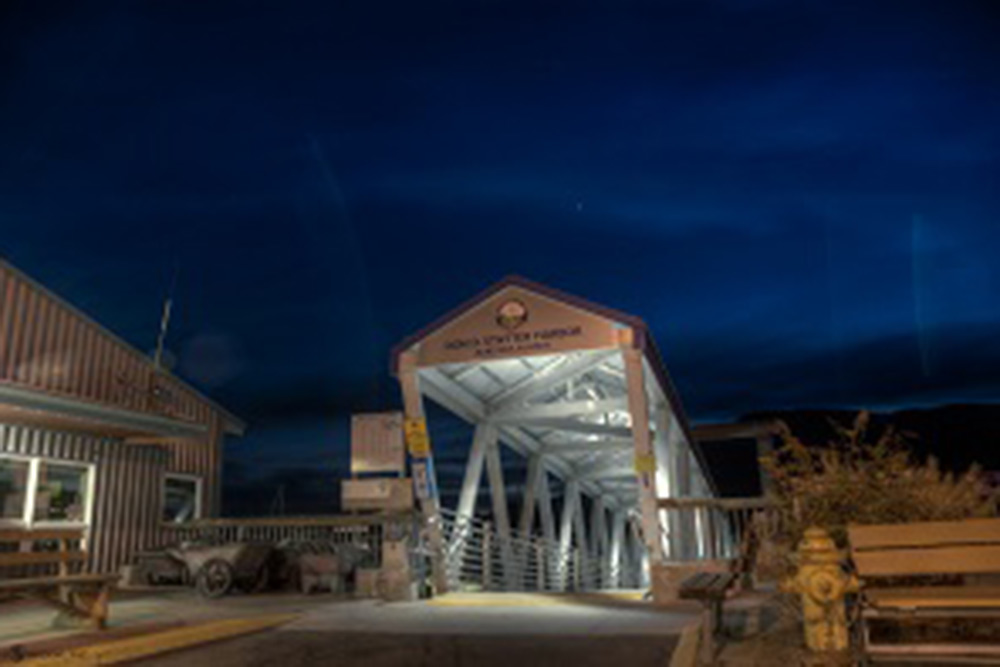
(13, 488)
(42, 491)
(181, 498)
(61, 492)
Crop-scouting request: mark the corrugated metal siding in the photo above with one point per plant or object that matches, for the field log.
(128, 488)
(49, 345)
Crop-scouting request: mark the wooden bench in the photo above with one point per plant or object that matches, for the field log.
(712, 590)
(956, 550)
(74, 594)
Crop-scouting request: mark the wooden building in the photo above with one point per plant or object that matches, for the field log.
(92, 435)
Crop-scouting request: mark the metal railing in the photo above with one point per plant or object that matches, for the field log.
(714, 528)
(477, 557)
(366, 531)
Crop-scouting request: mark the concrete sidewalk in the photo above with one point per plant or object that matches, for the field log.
(27, 627)
(501, 630)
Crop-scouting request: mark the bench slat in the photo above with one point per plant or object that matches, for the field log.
(944, 560)
(925, 534)
(697, 581)
(11, 535)
(706, 586)
(940, 597)
(51, 582)
(949, 650)
(15, 558)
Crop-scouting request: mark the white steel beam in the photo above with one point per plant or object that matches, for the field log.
(481, 439)
(665, 444)
(533, 374)
(582, 538)
(558, 409)
(607, 472)
(501, 519)
(615, 554)
(605, 530)
(603, 546)
(626, 567)
(572, 490)
(549, 377)
(583, 447)
(580, 524)
(527, 443)
(559, 438)
(586, 428)
(531, 483)
(458, 393)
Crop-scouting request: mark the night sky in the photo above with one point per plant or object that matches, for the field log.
(801, 198)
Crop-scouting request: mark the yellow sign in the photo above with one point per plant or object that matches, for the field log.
(645, 463)
(417, 440)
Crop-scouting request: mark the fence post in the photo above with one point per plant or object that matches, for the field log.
(487, 556)
(540, 564)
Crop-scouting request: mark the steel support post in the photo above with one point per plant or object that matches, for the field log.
(424, 477)
(531, 482)
(615, 555)
(641, 563)
(676, 453)
(582, 540)
(628, 552)
(689, 534)
(540, 565)
(466, 509)
(547, 518)
(645, 456)
(707, 536)
(711, 538)
(498, 492)
(566, 529)
(526, 522)
(487, 564)
(666, 444)
(600, 536)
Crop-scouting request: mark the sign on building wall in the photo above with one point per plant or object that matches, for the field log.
(516, 322)
(377, 443)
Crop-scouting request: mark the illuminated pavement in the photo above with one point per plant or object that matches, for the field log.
(499, 629)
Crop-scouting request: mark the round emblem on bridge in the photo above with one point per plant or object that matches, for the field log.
(512, 314)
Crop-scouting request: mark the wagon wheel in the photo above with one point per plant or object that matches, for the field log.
(214, 579)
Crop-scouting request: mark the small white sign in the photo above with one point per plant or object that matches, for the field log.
(421, 481)
(377, 494)
(377, 443)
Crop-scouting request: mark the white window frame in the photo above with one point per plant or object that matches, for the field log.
(199, 492)
(27, 519)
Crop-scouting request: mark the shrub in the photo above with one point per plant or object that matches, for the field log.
(858, 478)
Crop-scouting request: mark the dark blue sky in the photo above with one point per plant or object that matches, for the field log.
(800, 197)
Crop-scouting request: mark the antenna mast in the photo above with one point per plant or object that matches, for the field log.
(165, 323)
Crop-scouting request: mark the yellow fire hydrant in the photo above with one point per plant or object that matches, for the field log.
(822, 583)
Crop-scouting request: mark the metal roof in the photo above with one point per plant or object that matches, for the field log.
(233, 425)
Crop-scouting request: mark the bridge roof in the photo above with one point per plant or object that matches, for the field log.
(547, 368)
